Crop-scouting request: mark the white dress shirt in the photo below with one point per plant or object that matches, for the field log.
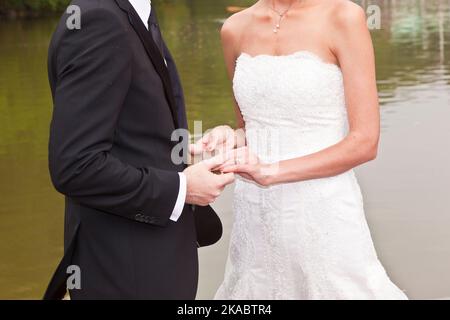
(143, 9)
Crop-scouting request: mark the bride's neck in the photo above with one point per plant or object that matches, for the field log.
(281, 3)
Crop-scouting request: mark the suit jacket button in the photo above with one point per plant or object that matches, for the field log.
(155, 220)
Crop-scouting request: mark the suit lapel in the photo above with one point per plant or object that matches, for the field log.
(177, 89)
(154, 54)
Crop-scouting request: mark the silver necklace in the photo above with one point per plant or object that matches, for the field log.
(281, 15)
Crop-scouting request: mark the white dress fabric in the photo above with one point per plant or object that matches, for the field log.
(305, 240)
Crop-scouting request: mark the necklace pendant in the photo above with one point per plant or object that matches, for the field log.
(275, 30)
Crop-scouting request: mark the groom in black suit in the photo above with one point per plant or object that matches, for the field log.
(134, 217)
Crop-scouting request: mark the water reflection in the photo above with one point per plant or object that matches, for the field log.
(413, 74)
(411, 47)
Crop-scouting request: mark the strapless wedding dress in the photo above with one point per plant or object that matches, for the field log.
(305, 240)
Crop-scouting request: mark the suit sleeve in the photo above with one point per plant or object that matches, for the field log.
(93, 75)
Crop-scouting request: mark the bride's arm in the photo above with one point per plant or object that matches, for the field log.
(353, 48)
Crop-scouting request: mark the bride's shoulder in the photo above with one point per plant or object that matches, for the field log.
(347, 25)
(236, 23)
(346, 13)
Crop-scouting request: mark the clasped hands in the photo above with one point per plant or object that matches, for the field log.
(226, 154)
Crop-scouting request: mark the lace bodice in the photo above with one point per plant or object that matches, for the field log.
(297, 101)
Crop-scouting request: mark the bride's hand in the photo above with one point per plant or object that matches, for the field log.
(246, 164)
(220, 140)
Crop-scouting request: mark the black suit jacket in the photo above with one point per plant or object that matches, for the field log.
(116, 105)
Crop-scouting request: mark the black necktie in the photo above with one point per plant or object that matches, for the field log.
(153, 27)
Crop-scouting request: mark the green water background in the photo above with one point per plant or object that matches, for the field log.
(412, 61)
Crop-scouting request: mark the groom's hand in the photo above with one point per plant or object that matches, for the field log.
(203, 186)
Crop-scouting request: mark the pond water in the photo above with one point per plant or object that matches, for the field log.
(406, 190)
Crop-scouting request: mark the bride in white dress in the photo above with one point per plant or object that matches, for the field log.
(304, 81)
